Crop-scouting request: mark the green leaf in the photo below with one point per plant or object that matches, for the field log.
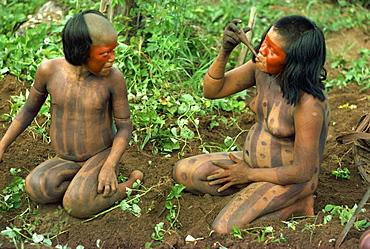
(176, 191)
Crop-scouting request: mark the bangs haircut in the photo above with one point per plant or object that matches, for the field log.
(305, 57)
(76, 38)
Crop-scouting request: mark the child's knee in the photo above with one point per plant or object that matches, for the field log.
(33, 189)
(40, 191)
(78, 207)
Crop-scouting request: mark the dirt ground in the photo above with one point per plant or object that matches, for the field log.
(121, 229)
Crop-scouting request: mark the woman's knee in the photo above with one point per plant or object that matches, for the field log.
(180, 172)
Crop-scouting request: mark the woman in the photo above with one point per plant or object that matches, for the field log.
(277, 171)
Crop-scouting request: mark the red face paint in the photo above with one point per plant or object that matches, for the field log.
(275, 56)
(99, 55)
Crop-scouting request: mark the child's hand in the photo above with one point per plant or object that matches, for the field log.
(107, 182)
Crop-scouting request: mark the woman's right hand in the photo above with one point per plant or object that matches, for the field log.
(230, 39)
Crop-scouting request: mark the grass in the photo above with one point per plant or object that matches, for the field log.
(164, 63)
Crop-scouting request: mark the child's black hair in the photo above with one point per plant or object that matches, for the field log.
(76, 38)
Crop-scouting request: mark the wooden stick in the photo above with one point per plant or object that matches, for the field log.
(243, 53)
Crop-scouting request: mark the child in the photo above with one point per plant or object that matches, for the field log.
(88, 97)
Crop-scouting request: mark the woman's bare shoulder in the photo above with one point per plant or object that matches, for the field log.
(309, 104)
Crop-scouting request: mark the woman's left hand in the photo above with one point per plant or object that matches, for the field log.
(230, 174)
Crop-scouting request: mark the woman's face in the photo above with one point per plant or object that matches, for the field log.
(271, 57)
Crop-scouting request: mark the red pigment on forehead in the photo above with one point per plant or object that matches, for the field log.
(276, 48)
(274, 62)
(99, 55)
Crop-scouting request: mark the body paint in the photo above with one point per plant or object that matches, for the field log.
(275, 56)
(99, 55)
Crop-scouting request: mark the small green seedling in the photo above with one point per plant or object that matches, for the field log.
(159, 232)
(174, 210)
(280, 239)
(342, 173)
(361, 225)
(176, 192)
(292, 224)
(15, 235)
(261, 232)
(130, 203)
(172, 216)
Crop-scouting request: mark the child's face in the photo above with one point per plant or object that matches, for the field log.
(271, 57)
(101, 59)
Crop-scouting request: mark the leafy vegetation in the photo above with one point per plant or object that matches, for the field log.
(165, 59)
(344, 213)
(13, 194)
(172, 216)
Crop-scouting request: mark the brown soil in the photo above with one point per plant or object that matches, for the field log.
(121, 229)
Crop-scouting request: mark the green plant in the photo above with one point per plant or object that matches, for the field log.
(44, 115)
(130, 202)
(343, 213)
(159, 232)
(14, 193)
(361, 225)
(291, 224)
(342, 173)
(25, 231)
(172, 216)
(280, 239)
(15, 235)
(260, 232)
(351, 71)
(174, 210)
(17, 103)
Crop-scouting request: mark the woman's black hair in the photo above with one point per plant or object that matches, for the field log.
(305, 57)
(76, 38)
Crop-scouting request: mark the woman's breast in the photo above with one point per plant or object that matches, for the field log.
(274, 114)
(262, 149)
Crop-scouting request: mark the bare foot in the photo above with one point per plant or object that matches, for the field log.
(135, 175)
(303, 207)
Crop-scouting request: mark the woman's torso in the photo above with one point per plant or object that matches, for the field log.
(270, 141)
